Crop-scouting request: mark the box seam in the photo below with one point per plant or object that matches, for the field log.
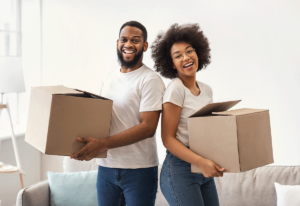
(49, 122)
(238, 148)
(241, 114)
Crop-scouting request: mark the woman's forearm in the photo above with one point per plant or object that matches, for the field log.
(178, 149)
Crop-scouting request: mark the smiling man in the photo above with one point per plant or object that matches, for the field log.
(129, 173)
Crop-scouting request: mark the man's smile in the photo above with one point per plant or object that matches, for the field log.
(128, 53)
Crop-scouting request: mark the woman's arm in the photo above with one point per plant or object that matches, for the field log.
(169, 125)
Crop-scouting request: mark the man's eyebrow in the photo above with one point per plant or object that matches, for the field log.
(127, 37)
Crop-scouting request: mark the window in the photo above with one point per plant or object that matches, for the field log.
(10, 46)
(10, 28)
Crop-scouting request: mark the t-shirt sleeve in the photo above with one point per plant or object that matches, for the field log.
(174, 94)
(151, 95)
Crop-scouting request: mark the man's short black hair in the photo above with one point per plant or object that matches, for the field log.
(137, 25)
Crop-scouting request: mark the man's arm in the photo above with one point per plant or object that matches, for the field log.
(94, 146)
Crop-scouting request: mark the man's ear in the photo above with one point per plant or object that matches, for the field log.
(145, 46)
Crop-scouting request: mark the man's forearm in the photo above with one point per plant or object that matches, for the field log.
(130, 136)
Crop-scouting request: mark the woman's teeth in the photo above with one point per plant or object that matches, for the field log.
(188, 65)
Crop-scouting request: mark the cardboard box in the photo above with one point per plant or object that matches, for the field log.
(58, 115)
(238, 140)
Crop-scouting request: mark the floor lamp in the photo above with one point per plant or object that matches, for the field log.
(11, 81)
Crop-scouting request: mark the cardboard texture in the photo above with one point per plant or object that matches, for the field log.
(238, 140)
(58, 115)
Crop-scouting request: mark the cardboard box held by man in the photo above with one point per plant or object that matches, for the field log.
(58, 115)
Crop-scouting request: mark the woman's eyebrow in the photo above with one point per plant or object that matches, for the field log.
(185, 48)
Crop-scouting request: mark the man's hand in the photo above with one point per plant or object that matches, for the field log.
(92, 148)
(210, 169)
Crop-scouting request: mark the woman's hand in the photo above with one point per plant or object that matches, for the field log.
(210, 169)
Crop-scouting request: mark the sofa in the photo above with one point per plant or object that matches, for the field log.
(251, 188)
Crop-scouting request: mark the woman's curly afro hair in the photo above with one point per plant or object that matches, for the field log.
(189, 33)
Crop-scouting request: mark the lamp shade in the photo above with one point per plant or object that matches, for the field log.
(11, 75)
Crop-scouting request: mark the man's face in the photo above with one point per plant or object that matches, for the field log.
(130, 46)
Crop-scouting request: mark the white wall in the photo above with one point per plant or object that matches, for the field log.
(255, 47)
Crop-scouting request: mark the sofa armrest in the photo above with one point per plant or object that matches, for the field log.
(34, 195)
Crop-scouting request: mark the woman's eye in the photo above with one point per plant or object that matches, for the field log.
(177, 57)
(190, 51)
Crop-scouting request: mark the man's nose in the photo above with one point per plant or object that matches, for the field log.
(128, 44)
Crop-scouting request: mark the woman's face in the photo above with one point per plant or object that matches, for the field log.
(185, 59)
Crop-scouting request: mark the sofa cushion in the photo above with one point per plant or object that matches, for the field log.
(255, 187)
(287, 194)
(76, 189)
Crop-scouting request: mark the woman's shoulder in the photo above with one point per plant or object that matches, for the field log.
(175, 87)
(204, 86)
(176, 84)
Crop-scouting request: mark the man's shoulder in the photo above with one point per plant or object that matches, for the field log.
(150, 74)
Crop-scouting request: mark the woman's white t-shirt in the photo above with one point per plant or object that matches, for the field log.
(181, 96)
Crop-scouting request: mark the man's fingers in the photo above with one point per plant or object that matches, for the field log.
(220, 169)
(82, 139)
(218, 174)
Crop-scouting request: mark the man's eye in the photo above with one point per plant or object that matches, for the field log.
(135, 40)
(123, 40)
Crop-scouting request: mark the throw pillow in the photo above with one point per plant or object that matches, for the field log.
(287, 195)
(76, 189)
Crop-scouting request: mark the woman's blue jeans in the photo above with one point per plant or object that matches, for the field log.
(131, 187)
(183, 188)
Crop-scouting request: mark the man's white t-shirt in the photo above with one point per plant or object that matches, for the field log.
(138, 91)
(181, 96)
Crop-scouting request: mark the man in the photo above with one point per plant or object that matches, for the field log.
(129, 173)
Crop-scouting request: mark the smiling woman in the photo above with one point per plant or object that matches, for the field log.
(188, 33)
(178, 54)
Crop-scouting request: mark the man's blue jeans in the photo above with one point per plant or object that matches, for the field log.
(131, 187)
(183, 188)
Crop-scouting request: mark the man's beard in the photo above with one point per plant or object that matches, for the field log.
(129, 64)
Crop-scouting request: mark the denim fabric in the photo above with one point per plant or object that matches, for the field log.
(183, 188)
(131, 187)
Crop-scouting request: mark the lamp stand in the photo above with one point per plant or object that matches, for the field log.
(11, 168)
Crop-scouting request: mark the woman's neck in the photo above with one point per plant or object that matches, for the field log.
(190, 83)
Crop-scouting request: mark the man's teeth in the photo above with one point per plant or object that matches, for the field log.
(128, 52)
(187, 65)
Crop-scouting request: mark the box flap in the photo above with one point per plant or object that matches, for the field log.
(215, 107)
(239, 112)
(92, 95)
(58, 90)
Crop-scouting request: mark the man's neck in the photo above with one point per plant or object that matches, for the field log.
(126, 70)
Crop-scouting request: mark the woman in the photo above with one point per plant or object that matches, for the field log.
(178, 54)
